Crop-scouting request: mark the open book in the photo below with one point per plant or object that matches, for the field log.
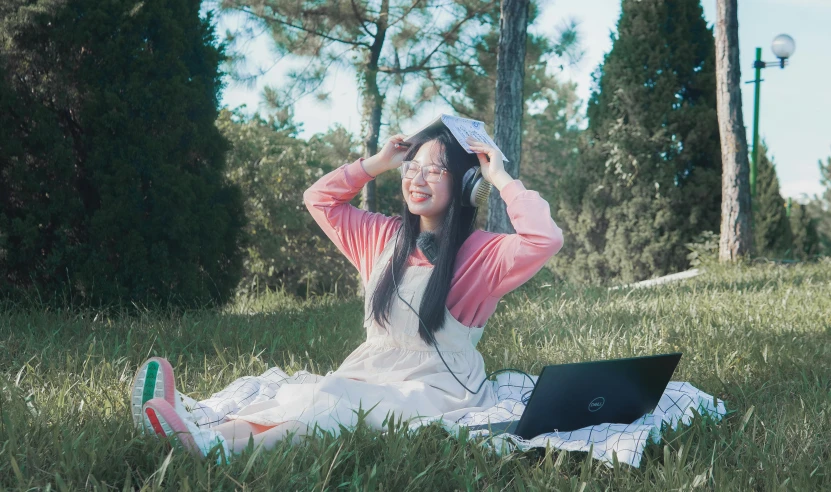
(461, 129)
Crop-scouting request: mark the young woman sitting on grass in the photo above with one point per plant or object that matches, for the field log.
(398, 369)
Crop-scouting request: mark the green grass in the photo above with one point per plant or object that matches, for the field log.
(758, 337)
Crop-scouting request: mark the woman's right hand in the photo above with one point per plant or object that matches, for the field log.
(390, 156)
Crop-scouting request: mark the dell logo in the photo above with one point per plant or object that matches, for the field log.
(597, 404)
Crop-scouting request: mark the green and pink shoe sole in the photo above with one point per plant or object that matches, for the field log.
(161, 417)
(154, 379)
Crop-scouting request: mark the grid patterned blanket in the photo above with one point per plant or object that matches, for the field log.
(679, 403)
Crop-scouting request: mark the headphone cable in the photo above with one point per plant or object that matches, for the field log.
(487, 376)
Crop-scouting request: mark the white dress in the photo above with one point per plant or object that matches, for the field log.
(393, 371)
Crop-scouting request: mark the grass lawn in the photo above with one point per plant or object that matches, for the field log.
(758, 337)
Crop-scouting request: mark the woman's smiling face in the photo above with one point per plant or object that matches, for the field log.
(428, 200)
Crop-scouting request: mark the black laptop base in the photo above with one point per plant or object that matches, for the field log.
(568, 397)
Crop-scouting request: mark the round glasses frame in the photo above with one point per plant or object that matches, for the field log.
(408, 165)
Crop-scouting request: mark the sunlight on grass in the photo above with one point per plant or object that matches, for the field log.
(759, 337)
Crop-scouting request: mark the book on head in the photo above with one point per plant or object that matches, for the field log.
(461, 129)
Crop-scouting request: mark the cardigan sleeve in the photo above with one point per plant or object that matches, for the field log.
(358, 234)
(509, 260)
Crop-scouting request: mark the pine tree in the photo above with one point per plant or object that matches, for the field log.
(551, 118)
(736, 236)
(39, 211)
(805, 242)
(650, 176)
(819, 209)
(388, 44)
(132, 205)
(510, 104)
(771, 227)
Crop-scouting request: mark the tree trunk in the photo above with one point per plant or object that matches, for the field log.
(736, 234)
(510, 73)
(373, 105)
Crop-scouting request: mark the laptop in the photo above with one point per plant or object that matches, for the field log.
(568, 397)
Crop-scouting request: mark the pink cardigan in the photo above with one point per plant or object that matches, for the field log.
(488, 265)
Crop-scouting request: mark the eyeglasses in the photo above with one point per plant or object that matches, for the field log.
(431, 173)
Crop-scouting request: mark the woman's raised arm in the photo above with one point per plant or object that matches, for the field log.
(358, 234)
(509, 260)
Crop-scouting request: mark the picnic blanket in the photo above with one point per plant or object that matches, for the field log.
(680, 402)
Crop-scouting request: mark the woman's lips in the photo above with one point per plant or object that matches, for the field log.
(418, 198)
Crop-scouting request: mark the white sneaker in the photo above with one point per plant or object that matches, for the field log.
(162, 417)
(184, 407)
(153, 379)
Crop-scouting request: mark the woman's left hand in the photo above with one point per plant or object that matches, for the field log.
(485, 152)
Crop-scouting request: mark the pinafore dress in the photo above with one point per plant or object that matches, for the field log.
(392, 372)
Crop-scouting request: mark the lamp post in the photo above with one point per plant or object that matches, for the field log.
(783, 47)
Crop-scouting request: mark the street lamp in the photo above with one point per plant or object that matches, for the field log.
(783, 47)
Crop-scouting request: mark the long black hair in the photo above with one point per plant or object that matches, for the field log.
(458, 224)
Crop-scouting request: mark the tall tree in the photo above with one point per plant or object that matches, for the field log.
(820, 208)
(648, 178)
(824, 215)
(771, 227)
(510, 73)
(552, 112)
(806, 242)
(113, 189)
(736, 234)
(386, 44)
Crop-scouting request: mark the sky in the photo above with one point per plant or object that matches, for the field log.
(795, 112)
